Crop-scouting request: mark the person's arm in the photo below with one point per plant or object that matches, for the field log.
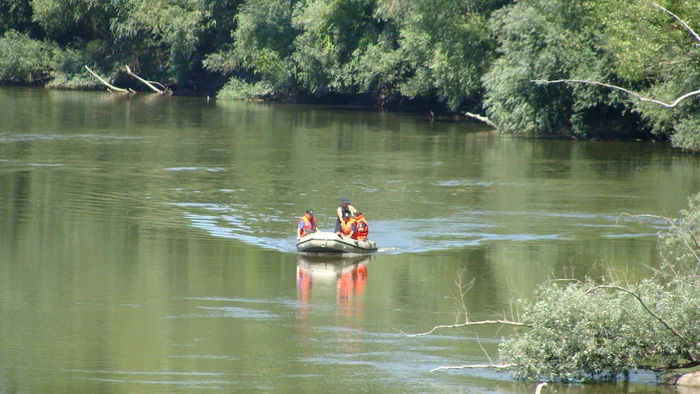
(301, 226)
(352, 209)
(339, 213)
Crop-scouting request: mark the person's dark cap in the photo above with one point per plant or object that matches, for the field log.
(345, 201)
(310, 212)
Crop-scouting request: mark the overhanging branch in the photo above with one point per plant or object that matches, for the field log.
(637, 96)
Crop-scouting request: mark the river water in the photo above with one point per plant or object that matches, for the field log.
(147, 242)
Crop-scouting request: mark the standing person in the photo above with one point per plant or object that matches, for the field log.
(362, 227)
(343, 211)
(306, 225)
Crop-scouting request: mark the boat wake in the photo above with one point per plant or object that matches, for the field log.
(276, 232)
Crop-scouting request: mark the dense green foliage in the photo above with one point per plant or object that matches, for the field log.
(453, 55)
(588, 331)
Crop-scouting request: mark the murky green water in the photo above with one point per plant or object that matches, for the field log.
(147, 243)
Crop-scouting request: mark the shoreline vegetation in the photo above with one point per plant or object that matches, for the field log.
(604, 327)
(534, 68)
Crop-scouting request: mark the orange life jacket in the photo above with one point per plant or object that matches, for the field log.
(309, 224)
(362, 228)
(347, 226)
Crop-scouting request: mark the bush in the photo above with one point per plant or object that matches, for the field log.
(24, 60)
(237, 89)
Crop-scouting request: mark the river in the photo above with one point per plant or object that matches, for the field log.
(147, 242)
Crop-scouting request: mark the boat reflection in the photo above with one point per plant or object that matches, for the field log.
(348, 272)
(321, 273)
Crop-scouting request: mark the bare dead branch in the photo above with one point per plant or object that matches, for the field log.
(637, 96)
(469, 323)
(481, 118)
(463, 289)
(478, 340)
(681, 21)
(143, 81)
(107, 84)
(492, 366)
(644, 305)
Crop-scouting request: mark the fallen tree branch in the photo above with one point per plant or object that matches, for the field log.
(109, 86)
(481, 118)
(147, 83)
(492, 366)
(469, 323)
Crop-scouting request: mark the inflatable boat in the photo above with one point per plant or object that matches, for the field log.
(322, 242)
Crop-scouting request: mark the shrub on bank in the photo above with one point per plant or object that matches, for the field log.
(23, 59)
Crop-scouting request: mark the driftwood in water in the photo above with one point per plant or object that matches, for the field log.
(109, 86)
(148, 83)
(481, 118)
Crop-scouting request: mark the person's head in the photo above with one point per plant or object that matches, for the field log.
(358, 214)
(310, 213)
(345, 201)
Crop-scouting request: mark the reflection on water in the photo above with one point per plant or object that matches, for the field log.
(347, 272)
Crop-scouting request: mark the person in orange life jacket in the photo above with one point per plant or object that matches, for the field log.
(362, 227)
(345, 209)
(349, 228)
(306, 225)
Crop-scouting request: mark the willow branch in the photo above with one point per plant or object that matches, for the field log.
(644, 305)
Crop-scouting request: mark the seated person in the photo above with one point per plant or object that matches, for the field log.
(349, 228)
(362, 227)
(306, 225)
